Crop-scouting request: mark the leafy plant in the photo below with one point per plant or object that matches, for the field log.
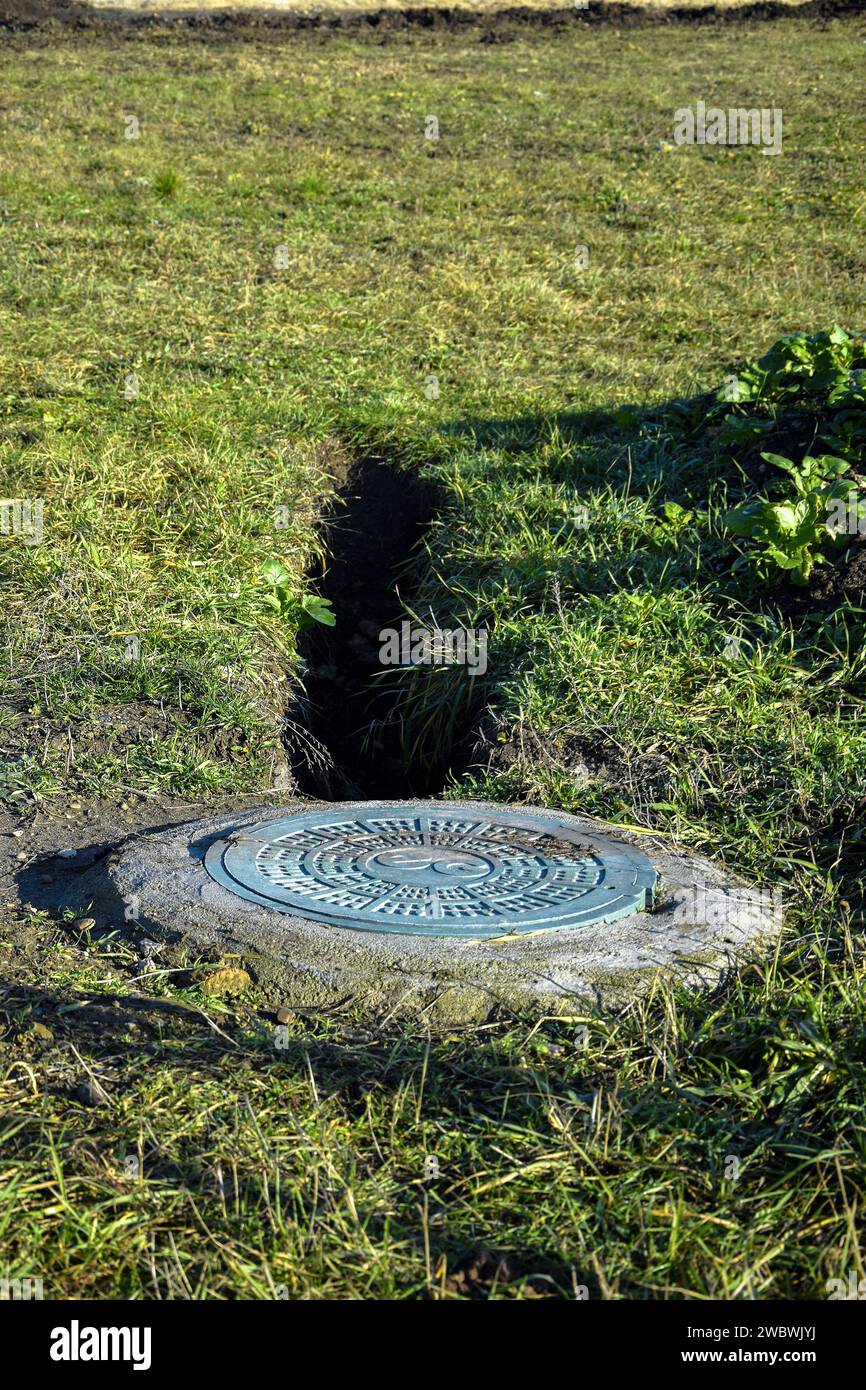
(818, 379)
(795, 531)
(676, 522)
(796, 365)
(302, 611)
(808, 393)
(739, 431)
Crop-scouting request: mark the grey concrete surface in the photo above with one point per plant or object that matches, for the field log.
(703, 922)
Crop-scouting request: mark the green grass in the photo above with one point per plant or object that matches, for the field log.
(281, 260)
(564, 1159)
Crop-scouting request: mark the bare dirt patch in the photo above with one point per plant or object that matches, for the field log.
(492, 21)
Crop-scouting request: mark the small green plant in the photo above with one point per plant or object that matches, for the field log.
(311, 186)
(798, 365)
(793, 533)
(167, 185)
(739, 431)
(806, 384)
(304, 610)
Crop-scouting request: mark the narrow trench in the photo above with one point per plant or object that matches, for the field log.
(351, 743)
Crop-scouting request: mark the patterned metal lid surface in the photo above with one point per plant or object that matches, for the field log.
(434, 870)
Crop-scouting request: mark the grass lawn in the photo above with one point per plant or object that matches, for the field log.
(200, 325)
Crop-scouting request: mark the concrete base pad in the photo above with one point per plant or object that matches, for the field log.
(702, 922)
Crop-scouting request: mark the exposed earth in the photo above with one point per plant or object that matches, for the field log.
(490, 18)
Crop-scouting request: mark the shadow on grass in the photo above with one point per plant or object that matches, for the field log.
(669, 457)
(76, 1041)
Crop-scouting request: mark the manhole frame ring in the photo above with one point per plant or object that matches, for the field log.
(230, 862)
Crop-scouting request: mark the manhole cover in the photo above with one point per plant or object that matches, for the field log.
(428, 870)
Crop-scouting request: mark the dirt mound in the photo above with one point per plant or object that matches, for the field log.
(36, 14)
(32, 13)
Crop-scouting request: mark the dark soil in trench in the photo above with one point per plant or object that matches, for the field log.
(371, 538)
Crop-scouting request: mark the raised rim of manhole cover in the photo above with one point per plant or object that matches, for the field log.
(433, 870)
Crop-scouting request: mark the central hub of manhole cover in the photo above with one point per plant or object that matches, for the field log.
(433, 871)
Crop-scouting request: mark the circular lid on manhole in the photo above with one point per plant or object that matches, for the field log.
(433, 870)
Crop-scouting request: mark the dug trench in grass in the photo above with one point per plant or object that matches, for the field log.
(204, 882)
(350, 740)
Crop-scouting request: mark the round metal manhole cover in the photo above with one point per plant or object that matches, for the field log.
(433, 870)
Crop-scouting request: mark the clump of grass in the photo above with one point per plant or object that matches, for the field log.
(167, 184)
(310, 186)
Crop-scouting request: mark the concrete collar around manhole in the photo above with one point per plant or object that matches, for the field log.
(444, 908)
